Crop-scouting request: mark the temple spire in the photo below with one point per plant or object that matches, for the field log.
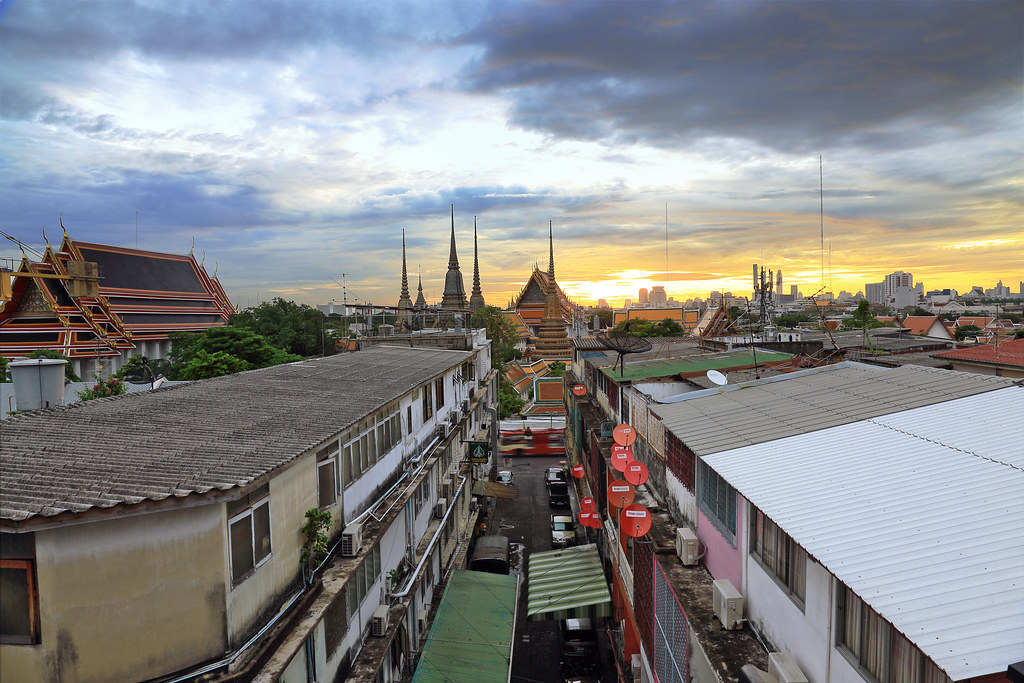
(552, 337)
(551, 254)
(476, 299)
(404, 300)
(421, 303)
(454, 297)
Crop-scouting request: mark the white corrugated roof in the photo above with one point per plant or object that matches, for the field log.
(918, 512)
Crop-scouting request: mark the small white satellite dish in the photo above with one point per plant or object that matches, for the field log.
(718, 378)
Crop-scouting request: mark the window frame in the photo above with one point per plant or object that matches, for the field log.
(786, 563)
(28, 565)
(255, 501)
(321, 465)
(725, 502)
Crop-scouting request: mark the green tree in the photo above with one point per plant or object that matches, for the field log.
(509, 401)
(1018, 333)
(502, 332)
(557, 369)
(234, 344)
(296, 328)
(790, 320)
(964, 331)
(3, 369)
(140, 370)
(604, 317)
(635, 328)
(669, 328)
(69, 372)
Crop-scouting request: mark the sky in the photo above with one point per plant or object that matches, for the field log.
(668, 143)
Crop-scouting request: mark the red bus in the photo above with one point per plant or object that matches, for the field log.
(532, 442)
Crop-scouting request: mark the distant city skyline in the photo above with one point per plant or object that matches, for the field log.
(293, 142)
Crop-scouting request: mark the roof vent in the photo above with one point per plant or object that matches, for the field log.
(38, 382)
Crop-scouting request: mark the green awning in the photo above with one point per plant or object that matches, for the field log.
(471, 638)
(567, 584)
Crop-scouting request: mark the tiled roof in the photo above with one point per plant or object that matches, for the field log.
(1010, 352)
(808, 400)
(213, 434)
(918, 513)
(921, 324)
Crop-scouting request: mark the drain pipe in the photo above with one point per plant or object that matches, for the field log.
(430, 546)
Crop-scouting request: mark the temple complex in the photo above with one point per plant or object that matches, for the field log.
(99, 305)
(552, 338)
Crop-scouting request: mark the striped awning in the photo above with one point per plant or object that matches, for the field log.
(567, 584)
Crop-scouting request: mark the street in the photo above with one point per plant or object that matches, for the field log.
(526, 522)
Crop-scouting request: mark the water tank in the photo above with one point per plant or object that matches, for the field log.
(38, 382)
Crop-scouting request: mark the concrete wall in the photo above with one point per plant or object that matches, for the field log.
(127, 599)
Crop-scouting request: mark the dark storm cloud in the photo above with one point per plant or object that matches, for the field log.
(793, 76)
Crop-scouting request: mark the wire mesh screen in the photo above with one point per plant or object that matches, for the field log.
(671, 634)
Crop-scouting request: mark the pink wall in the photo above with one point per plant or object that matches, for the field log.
(721, 559)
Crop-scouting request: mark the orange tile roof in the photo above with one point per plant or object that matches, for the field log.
(919, 324)
(1010, 352)
(549, 391)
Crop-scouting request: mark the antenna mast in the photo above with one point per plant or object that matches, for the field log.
(821, 215)
(666, 243)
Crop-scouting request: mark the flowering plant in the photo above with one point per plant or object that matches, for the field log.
(102, 389)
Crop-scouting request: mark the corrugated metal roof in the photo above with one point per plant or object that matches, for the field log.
(918, 512)
(470, 640)
(777, 407)
(669, 367)
(193, 438)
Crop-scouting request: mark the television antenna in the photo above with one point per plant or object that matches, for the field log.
(623, 343)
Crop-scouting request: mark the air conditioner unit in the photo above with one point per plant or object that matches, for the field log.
(687, 546)
(441, 507)
(351, 540)
(606, 429)
(782, 667)
(465, 406)
(421, 620)
(727, 603)
(637, 668)
(453, 418)
(472, 505)
(379, 625)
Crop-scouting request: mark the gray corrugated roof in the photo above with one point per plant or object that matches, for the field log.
(918, 513)
(193, 438)
(711, 421)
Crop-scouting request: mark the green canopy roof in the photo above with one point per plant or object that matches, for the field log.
(567, 584)
(471, 637)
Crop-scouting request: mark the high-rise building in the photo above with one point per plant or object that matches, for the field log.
(897, 279)
(874, 292)
(643, 295)
(658, 297)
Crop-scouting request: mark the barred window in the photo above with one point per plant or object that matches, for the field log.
(718, 501)
(782, 558)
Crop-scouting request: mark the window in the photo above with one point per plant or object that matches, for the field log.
(19, 596)
(718, 501)
(361, 582)
(439, 391)
(880, 652)
(249, 530)
(428, 403)
(783, 559)
(327, 481)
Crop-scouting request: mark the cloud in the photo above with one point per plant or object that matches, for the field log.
(787, 76)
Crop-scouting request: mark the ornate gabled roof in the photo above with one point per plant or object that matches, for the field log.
(139, 295)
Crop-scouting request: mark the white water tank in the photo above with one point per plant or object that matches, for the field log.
(38, 382)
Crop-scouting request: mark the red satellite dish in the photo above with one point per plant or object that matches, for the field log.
(578, 471)
(620, 493)
(579, 390)
(585, 518)
(621, 456)
(636, 473)
(635, 520)
(624, 435)
(588, 504)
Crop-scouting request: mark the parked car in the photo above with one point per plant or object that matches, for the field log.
(579, 646)
(553, 475)
(563, 531)
(504, 477)
(558, 494)
(491, 555)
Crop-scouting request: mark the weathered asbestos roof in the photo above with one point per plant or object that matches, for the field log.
(471, 638)
(213, 434)
(918, 513)
(809, 400)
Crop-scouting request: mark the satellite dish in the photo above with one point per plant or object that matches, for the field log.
(718, 378)
(623, 343)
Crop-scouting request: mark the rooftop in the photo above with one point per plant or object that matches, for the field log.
(922, 520)
(210, 435)
(733, 416)
(1010, 352)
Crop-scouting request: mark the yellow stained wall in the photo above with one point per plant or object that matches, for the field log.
(126, 599)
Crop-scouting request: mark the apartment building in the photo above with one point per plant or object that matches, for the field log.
(159, 535)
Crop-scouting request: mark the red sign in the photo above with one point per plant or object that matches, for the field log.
(621, 455)
(636, 473)
(579, 390)
(624, 435)
(635, 520)
(588, 504)
(578, 471)
(620, 493)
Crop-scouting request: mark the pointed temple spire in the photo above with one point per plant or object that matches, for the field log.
(421, 303)
(552, 338)
(454, 297)
(404, 301)
(476, 299)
